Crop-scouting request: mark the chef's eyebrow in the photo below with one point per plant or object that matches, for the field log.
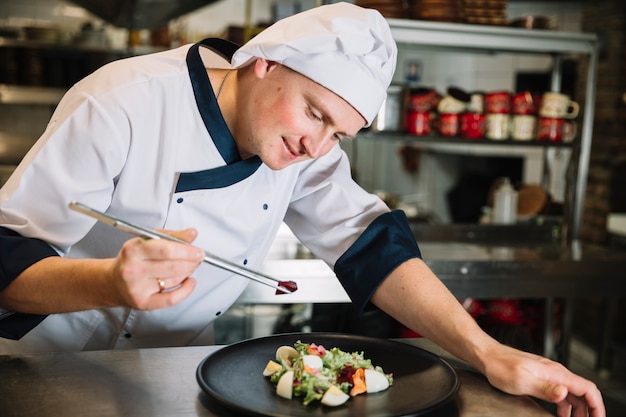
(328, 118)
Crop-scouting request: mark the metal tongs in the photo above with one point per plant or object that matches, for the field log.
(281, 287)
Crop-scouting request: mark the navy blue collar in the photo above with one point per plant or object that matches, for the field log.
(235, 169)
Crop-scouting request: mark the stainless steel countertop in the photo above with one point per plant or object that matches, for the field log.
(529, 270)
(470, 269)
(162, 382)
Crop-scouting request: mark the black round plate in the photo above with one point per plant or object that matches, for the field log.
(233, 376)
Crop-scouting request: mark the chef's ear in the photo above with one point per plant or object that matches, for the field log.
(263, 66)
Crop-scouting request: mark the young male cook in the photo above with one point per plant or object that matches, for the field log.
(220, 153)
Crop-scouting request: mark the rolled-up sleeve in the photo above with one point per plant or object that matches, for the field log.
(384, 245)
(17, 253)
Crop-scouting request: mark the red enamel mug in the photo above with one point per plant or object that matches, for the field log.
(418, 122)
(473, 125)
(498, 102)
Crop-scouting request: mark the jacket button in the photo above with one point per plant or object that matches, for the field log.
(128, 335)
(180, 200)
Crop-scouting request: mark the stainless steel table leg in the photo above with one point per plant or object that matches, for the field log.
(548, 330)
(566, 329)
(606, 339)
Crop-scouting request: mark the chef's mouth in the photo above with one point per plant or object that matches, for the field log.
(293, 153)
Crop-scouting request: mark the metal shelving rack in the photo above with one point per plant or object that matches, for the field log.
(46, 95)
(14, 145)
(453, 37)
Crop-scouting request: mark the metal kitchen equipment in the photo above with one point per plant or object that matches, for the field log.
(141, 14)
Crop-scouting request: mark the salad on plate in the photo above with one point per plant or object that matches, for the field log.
(331, 376)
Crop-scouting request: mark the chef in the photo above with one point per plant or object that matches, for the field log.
(218, 145)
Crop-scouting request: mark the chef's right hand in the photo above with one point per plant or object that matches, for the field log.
(144, 267)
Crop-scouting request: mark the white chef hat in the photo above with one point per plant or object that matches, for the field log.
(344, 47)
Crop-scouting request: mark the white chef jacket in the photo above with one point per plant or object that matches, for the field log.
(135, 139)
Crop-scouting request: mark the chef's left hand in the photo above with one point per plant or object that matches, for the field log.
(523, 373)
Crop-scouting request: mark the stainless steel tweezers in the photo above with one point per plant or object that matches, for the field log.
(281, 287)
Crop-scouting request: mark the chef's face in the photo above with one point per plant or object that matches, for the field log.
(291, 118)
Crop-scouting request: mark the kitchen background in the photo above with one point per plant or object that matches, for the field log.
(378, 166)
(421, 188)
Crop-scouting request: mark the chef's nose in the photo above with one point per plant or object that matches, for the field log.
(318, 145)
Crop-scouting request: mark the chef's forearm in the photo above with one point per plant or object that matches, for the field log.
(418, 299)
(61, 285)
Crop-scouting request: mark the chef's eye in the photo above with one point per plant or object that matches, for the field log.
(314, 115)
(339, 137)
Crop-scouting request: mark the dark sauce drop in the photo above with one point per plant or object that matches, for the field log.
(289, 285)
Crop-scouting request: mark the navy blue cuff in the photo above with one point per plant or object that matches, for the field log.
(386, 243)
(18, 324)
(17, 253)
